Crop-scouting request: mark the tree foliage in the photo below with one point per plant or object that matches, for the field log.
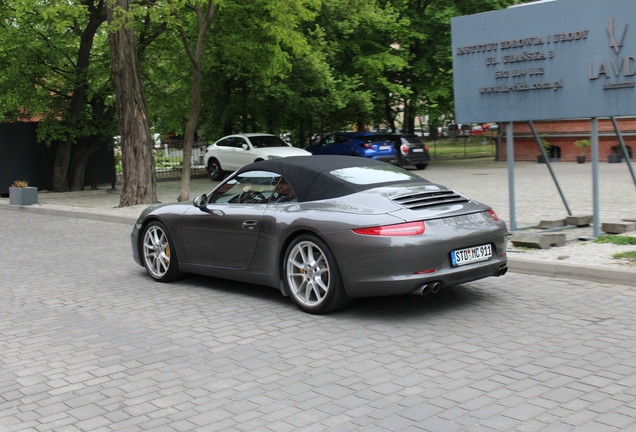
(214, 67)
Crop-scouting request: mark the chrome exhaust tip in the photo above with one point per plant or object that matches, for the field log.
(421, 290)
(501, 271)
(436, 287)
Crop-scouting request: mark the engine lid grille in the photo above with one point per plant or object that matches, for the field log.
(429, 199)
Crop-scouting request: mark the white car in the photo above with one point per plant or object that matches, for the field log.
(235, 151)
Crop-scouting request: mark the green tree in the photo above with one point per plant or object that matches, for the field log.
(52, 71)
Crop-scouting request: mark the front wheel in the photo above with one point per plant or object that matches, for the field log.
(159, 254)
(214, 170)
(312, 276)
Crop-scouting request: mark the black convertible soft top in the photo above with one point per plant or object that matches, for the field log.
(311, 179)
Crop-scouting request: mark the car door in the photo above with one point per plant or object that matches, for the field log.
(244, 152)
(222, 151)
(343, 145)
(224, 233)
(323, 146)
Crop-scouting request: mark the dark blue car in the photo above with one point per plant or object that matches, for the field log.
(364, 144)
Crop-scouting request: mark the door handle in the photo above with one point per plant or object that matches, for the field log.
(250, 225)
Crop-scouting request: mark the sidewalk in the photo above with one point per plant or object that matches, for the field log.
(479, 179)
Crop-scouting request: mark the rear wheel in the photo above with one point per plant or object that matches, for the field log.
(159, 254)
(421, 166)
(214, 170)
(312, 276)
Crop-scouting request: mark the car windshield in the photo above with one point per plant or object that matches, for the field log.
(267, 141)
(368, 175)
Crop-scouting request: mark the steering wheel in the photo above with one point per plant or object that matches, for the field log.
(251, 195)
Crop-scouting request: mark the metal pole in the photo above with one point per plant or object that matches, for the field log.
(511, 175)
(547, 161)
(595, 190)
(624, 147)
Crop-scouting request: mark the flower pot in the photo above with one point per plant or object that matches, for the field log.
(580, 159)
(23, 196)
(615, 158)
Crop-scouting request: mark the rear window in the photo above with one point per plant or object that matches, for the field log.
(413, 139)
(369, 175)
(374, 138)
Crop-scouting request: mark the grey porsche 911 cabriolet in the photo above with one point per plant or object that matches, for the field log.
(325, 230)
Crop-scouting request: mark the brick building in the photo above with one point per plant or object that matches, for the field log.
(562, 134)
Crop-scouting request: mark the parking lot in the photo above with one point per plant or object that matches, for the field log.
(90, 342)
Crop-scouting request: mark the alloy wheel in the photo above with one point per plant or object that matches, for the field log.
(156, 251)
(307, 272)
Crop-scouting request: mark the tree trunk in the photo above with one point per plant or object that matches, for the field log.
(78, 97)
(139, 182)
(388, 112)
(60, 166)
(193, 120)
(81, 155)
(204, 20)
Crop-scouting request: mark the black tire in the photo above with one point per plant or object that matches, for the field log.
(421, 166)
(312, 277)
(158, 253)
(214, 170)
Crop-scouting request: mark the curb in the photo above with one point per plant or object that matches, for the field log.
(69, 213)
(569, 271)
(540, 268)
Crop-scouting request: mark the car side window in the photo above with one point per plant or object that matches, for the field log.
(341, 139)
(252, 187)
(238, 142)
(227, 142)
(330, 140)
(283, 193)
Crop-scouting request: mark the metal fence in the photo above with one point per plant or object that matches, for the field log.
(463, 147)
(169, 159)
(169, 156)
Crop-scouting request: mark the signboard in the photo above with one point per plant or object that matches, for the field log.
(553, 59)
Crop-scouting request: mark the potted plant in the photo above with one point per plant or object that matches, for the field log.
(547, 147)
(581, 144)
(21, 194)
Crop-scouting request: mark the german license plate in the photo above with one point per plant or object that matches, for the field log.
(416, 150)
(385, 147)
(461, 257)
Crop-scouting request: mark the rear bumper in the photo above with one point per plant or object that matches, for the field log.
(393, 160)
(415, 159)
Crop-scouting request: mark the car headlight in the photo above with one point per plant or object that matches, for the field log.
(273, 157)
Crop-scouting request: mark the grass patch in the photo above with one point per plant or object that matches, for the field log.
(617, 240)
(631, 256)
(461, 147)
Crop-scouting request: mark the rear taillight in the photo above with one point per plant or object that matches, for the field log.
(367, 145)
(426, 147)
(493, 215)
(405, 149)
(405, 229)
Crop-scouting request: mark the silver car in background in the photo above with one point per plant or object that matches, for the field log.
(235, 151)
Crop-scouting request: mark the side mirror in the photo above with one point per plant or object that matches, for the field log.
(200, 201)
(245, 147)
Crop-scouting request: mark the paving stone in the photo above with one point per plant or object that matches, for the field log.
(618, 227)
(552, 223)
(579, 220)
(531, 240)
(94, 343)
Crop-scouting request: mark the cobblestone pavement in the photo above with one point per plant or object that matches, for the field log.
(90, 342)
